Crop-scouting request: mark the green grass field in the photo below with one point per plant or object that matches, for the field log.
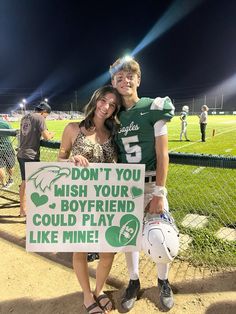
(223, 143)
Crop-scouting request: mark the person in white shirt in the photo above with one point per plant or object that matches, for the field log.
(203, 122)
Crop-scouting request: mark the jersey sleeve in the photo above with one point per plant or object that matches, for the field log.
(160, 128)
(163, 108)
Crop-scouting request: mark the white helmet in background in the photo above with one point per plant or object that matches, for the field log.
(160, 238)
(185, 108)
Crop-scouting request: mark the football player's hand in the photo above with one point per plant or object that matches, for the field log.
(156, 205)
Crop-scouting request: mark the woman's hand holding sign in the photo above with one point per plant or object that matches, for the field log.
(79, 160)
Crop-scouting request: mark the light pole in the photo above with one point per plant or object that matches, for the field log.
(24, 101)
(23, 106)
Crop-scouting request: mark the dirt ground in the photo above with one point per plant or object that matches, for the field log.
(31, 283)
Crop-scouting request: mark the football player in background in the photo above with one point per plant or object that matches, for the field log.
(183, 118)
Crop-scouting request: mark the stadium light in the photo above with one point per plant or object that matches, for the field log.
(45, 99)
(23, 102)
(127, 58)
(22, 107)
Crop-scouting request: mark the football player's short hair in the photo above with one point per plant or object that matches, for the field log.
(122, 64)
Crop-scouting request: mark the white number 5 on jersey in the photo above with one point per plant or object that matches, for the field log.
(133, 152)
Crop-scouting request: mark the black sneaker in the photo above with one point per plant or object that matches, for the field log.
(9, 182)
(5, 186)
(166, 294)
(92, 257)
(131, 295)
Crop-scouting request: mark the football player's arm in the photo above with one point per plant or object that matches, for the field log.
(162, 159)
(162, 156)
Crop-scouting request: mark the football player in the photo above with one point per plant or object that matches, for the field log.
(142, 138)
(183, 118)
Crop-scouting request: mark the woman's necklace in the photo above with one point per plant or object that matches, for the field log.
(101, 136)
(97, 138)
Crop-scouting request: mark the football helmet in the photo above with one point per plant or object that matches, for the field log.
(160, 238)
(185, 108)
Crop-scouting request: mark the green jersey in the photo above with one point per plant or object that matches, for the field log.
(135, 138)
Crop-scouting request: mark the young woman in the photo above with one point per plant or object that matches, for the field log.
(92, 141)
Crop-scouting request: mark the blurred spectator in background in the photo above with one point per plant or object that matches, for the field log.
(7, 157)
(203, 122)
(183, 118)
(32, 128)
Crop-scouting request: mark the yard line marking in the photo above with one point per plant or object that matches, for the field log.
(199, 169)
(228, 150)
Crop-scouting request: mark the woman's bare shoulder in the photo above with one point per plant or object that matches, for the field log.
(73, 126)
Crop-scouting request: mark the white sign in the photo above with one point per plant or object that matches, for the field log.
(84, 209)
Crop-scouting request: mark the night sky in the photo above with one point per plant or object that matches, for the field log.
(60, 49)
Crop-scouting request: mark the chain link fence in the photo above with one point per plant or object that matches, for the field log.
(202, 199)
(203, 202)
